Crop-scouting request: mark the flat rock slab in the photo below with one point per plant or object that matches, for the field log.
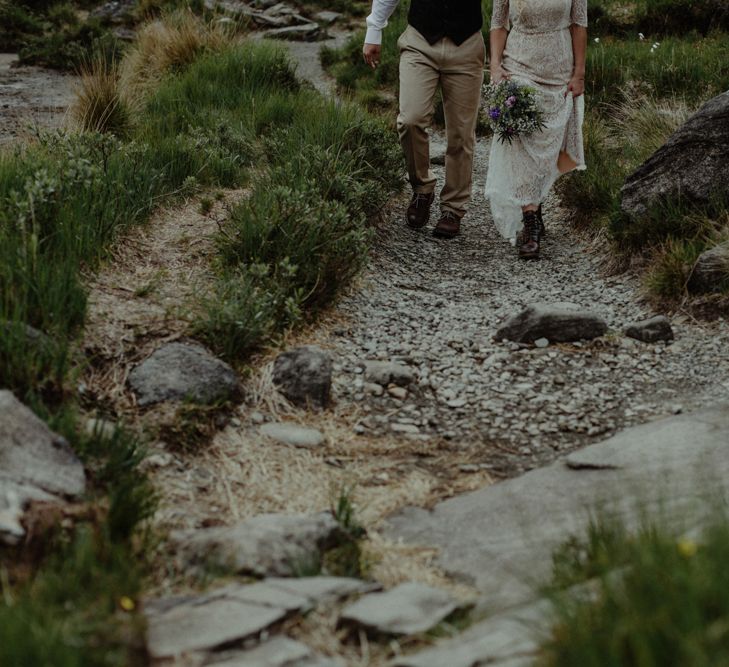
(556, 322)
(36, 464)
(407, 609)
(511, 638)
(304, 376)
(182, 371)
(265, 545)
(187, 625)
(323, 588)
(278, 652)
(501, 538)
(293, 434)
(652, 330)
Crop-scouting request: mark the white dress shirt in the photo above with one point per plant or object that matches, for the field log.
(381, 11)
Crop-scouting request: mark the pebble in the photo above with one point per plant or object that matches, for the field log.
(399, 393)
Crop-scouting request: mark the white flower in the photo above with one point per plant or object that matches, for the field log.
(641, 36)
(656, 45)
(597, 40)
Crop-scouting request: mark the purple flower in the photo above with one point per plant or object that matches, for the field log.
(495, 113)
(510, 130)
(510, 101)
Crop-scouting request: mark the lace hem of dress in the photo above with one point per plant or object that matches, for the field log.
(506, 211)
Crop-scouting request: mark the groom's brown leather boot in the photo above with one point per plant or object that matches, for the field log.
(418, 212)
(448, 226)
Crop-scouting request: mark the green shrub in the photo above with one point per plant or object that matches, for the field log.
(659, 599)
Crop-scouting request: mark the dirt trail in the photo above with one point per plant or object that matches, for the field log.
(31, 97)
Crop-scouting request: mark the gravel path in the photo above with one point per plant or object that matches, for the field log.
(435, 305)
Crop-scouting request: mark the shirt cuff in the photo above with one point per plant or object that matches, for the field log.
(373, 36)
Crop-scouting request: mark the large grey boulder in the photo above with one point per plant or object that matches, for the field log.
(182, 371)
(556, 322)
(711, 271)
(304, 376)
(407, 609)
(651, 330)
(265, 545)
(690, 165)
(36, 464)
(501, 538)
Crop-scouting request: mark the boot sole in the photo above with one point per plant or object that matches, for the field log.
(409, 224)
(439, 234)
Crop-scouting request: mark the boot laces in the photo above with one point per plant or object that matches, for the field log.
(419, 197)
(531, 227)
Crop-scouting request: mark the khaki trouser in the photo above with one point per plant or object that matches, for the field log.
(459, 71)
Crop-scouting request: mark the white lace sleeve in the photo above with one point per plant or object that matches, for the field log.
(500, 14)
(578, 15)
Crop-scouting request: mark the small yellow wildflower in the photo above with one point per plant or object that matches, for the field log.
(687, 548)
(126, 603)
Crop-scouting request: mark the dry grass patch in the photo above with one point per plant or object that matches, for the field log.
(146, 294)
(167, 45)
(98, 105)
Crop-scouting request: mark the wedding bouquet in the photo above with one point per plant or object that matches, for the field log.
(512, 110)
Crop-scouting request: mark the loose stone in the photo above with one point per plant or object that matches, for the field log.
(293, 434)
(652, 330)
(304, 376)
(407, 609)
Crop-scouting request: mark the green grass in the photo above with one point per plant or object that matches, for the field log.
(660, 599)
(323, 169)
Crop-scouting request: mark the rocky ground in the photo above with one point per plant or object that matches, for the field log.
(30, 98)
(425, 404)
(435, 306)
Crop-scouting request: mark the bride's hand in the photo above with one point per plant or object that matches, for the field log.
(576, 86)
(498, 73)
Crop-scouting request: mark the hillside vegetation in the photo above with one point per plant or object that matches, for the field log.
(189, 108)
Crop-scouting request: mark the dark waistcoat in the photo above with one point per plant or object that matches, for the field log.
(435, 19)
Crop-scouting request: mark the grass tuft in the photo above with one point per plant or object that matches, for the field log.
(659, 598)
(98, 105)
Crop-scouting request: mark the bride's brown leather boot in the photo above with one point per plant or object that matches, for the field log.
(529, 239)
(542, 228)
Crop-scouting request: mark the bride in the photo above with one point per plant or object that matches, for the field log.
(542, 44)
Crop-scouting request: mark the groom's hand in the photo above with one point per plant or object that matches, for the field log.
(372, 53)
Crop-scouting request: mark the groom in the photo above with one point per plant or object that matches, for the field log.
(442, 45)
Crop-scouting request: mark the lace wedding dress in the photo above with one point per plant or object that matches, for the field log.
(538, 53)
